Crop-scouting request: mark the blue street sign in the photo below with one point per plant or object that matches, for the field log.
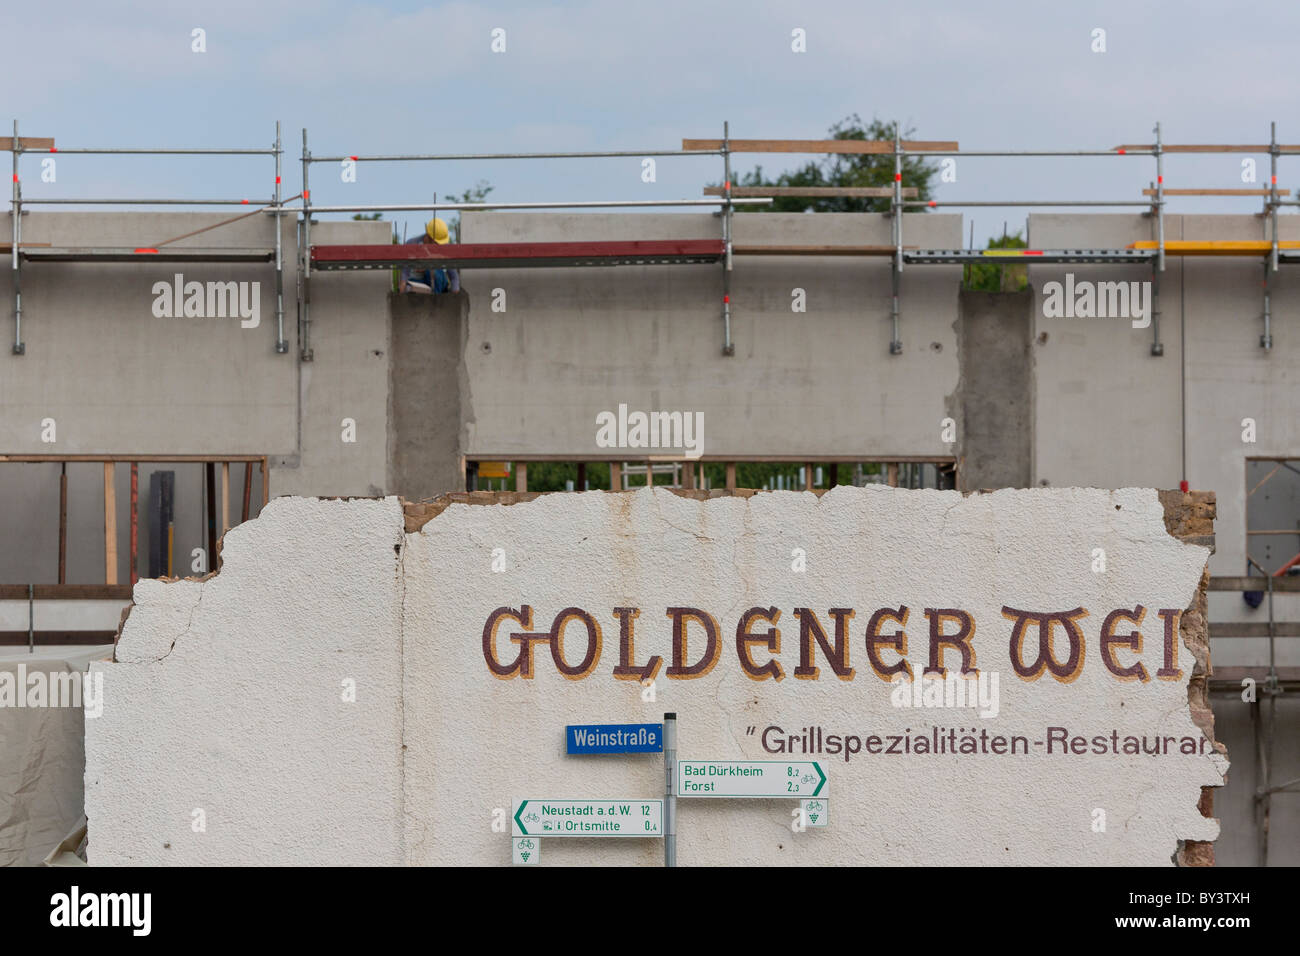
(615, 738)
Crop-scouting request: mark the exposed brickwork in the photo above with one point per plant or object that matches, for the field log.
(419, 513)
(1190, 518)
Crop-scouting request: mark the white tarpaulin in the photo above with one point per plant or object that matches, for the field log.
(42, 747)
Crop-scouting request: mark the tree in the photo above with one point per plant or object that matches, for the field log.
(847, 169)
(476, 193)
(999, 278)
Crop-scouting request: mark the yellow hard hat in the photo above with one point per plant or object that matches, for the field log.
(436, 229)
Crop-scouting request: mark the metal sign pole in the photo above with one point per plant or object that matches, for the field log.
(670, 790)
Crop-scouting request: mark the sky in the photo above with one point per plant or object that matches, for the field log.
(403, 77)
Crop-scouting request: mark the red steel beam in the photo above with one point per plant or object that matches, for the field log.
(489, 252)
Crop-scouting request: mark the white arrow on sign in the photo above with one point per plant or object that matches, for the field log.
(750, 778)
(588, 818)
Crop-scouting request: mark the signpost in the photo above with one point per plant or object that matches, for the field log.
(799, 779)
(588, 818)
(670, 791)
(614, 738)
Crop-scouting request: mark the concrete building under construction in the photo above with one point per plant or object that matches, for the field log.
(171, 372)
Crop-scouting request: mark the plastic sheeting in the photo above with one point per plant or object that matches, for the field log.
(42, 750)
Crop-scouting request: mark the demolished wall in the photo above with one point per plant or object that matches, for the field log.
(231, 696)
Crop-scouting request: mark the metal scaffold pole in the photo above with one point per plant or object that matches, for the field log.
(1157, 347)
(896, 214)
(304, 268)
(1160, 202)
(281, 345)
(17, 215)
(670, 789)
(1273, 197)
(1266, 337)
(728, 347)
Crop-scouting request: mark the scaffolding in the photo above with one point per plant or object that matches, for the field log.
(718, 252)
(21, 252)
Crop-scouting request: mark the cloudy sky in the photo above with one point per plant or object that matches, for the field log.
(410, 77)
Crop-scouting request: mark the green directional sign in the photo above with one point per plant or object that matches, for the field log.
(750, 778)
(588, 818)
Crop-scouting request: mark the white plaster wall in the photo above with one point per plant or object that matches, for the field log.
(228, 698)
(226, 693)
(476, 742)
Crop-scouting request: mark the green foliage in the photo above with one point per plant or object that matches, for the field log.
(553, 475)
(839, 169)
(476, 193)
(997, 278)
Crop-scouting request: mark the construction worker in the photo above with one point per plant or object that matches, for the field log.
(429, 281)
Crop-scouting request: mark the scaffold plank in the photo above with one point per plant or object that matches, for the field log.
(1216, 247)
(502, 255)
(26, 143)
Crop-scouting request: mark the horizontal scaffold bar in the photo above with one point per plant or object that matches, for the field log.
(147, 202)
(150, 151)
(946, 461)
(1254, 629)
(66, 592)
(1030, 256)
(814, 250)
(1217, 192)
(1285, 583)
(505, 255)
(144, 254)
(813, 192)
(935, 203)
(116, 457)
(1210, 148)
(454, 157)
(852, 146)
(577, 204)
